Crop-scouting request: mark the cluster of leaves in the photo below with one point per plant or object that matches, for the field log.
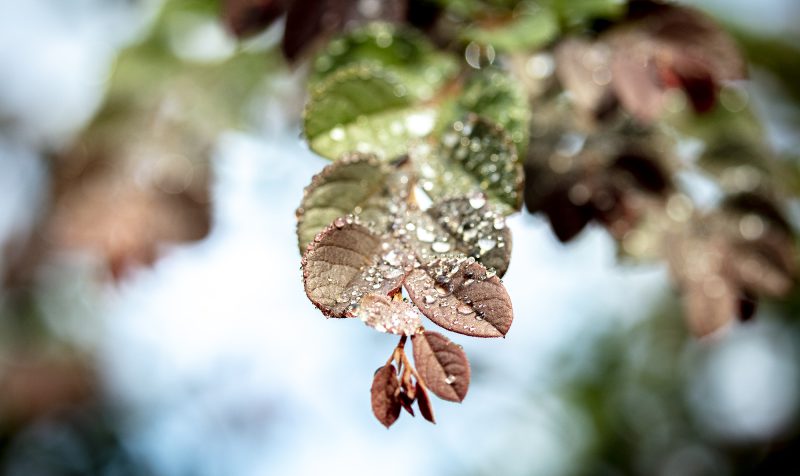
(441, 117)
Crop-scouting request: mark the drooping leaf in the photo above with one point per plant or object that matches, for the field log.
(402, 52)
(725, 259)
(459, 295)
(345, 262)
(529, 28)
(365, 109)
(442, 365)
(424, 404)
(385, 392)
(357, 184)
(475, 155)
(492, 94)
(385, 314)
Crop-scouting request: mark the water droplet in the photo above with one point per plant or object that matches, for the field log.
(441, 290)
(425, 234)
(477, 201)
(339, 222)
(440, 247)
(486, 244)
(429, 299)
(337, 134)
(450, 379)
(464, 309)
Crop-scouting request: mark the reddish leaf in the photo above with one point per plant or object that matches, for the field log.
(385, 392)
(345, 262)
(247, 17)
(407, 401)
(442, 365)
(458, 294)
(388, 315)
(424, 404)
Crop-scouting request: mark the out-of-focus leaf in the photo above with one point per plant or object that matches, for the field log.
(459, 295)
(345, 262)
(357, 184)
(725, 259)
(442, 365)
(388, 315)
(385, 395)
(247, 17)
(582, 67)
(401, 52)
(475, 155)
(578, 12)
(531, 27)
(492, 94)
(364, 109)
(308, 20)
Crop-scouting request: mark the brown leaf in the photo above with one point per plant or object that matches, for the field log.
(385, 392)
(248, 17)
(578, 63)
(388, 315)
(710, 304)
(345, 262)
(407, 401)
(424, 404)
(459, 295)
(442, 365)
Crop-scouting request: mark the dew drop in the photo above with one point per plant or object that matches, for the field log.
(440, 247)
(450, 379)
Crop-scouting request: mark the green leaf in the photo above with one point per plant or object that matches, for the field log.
(529, 29)
(475, 155)
(578, 12)
(364, 109)
(402, 52)
(358, 184)
(492, 94)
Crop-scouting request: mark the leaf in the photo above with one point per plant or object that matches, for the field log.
(424, 404)
(307, 20)
(402, 52)
(385, 395)
(579, 65)
(442, 365)
(475, 155)
(529, 29)
(357, 184)
(576, 12)
(388, 315)
(247, 17)
(347, 261)
(364, 109)
(476, 228)
(459, 295)
(492, 94)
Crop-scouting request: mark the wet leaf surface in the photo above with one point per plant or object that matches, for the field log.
(347, 261)
(475, 155)
(364, 109)
(357, 184)
(401, 51)
(492, 94)
(385, 392)
(442, 365)
(385, 314)
(459, 295)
